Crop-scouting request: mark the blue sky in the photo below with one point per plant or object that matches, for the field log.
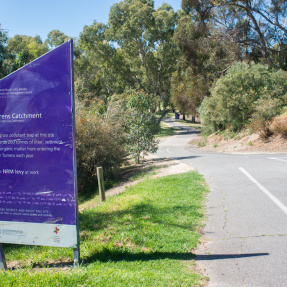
(39, 17)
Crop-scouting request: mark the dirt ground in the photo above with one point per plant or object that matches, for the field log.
(240, 144)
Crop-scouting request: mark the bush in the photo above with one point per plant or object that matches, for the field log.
(266, 109)
(279, 125)
(234, 97)
(100, 142)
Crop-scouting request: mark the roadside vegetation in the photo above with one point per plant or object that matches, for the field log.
(221, 61)
(141, 237)
(247, 97)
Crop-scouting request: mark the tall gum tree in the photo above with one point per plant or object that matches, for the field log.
(144, 36)
(3, 52)
(259, 26)
(204, 57)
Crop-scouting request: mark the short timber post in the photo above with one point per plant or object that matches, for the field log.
(3, 265)
(101, 183)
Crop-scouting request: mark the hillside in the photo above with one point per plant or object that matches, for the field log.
(240, 143)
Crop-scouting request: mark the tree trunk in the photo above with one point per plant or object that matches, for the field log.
(183, 117)
(193, 119)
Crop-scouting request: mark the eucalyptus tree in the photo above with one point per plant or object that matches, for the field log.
(205, 56)
(55, 38)
(3, 52)
(144, 36)
(259, 26)
(25, 49)
(101, 69)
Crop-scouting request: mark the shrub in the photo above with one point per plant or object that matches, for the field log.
(266, 109)
(233, 96)
(100, 142)
(279, 125)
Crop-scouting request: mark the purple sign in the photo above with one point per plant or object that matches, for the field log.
(37, 152)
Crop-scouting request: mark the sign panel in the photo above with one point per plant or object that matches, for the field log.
(38, 198)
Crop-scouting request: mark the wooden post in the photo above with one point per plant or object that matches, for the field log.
(3, 265)
(101, 183)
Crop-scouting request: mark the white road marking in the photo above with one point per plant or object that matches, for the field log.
(278, 159)
(169, 151)
(269, 194)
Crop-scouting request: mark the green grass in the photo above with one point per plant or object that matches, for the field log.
(165, 131)
(137, 238)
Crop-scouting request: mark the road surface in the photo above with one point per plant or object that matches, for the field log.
(245, 237)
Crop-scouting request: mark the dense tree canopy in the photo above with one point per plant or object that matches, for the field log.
(3, 52)
(258, 26)
(25, 49)
(145, 38)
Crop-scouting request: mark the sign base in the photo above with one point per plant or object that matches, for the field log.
(3, 265)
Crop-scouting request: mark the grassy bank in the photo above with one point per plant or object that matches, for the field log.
(165, 131)
(138, 238)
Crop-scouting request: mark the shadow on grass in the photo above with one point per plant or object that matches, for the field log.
(117, 256)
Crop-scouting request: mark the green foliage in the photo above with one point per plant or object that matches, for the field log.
(56, 38)
(4, 55)
(144, 36)
(258, 27)
(234, 97)
(204, 56)
(100, 142)
(141, 125)
(187, 91)
(24, 49)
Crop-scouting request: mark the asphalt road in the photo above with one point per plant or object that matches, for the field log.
(245, 237)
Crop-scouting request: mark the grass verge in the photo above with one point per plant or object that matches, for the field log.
(165, 131)
(137, 238)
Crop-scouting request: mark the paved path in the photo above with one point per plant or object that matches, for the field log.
(246, 230)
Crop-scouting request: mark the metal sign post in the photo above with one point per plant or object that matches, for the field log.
(3, 265)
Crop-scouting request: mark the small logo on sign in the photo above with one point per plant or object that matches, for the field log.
(56, 230)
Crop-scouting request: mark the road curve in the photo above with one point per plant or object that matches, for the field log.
(245, 237)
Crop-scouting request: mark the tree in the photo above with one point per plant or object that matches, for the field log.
(25, 49)
(258, 26)
(3, 52)
(101, 69)
(56, 38)
(140, 124)
(204, 57)
(144, 36)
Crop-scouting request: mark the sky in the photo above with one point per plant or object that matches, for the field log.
(39, 17)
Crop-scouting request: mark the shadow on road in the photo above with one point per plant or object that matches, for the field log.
(187, 132)
(176, 158)
(228, 256)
